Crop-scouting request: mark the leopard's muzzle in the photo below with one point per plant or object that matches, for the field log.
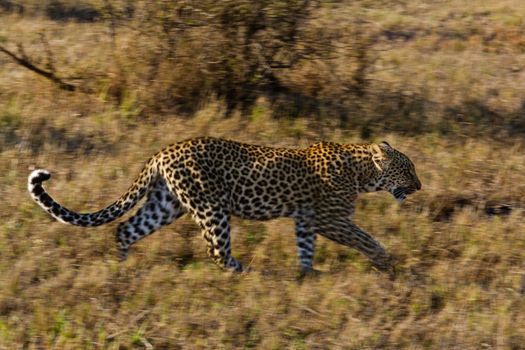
(401, 193)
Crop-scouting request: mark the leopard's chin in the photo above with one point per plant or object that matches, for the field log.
(400, 193)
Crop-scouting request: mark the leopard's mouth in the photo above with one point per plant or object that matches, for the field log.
(401, 193)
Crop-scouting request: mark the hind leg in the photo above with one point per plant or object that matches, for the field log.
(160, 209)
(305, 239)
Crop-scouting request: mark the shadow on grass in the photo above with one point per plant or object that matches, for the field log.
(41, 135)
(403, 113)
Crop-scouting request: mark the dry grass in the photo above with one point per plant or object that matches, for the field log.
(461, 282)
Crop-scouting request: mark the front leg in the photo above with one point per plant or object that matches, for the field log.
(342, 230)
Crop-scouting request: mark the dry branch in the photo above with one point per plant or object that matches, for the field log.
(25, 62)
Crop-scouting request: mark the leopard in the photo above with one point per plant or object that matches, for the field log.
(213, 179)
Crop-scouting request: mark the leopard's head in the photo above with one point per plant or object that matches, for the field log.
(397, 173)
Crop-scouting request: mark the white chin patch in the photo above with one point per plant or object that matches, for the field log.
(399, 194)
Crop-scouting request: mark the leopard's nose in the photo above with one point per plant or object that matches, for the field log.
(418, 185)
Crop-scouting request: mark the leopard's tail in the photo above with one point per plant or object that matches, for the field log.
(115, 210)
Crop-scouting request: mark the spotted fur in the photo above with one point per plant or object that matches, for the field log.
(213, 179)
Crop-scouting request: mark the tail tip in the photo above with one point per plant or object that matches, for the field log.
(38, 176)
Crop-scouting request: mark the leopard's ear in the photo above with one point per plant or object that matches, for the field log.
(378, 157)
(385, 144)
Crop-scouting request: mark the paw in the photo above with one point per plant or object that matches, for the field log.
(233, 266)
(123, 255)
(308, 272)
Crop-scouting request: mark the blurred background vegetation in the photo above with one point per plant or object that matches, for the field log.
(403, 66)
(90, 89)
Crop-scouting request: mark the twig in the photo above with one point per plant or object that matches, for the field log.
(24, 61)
(50, 64)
